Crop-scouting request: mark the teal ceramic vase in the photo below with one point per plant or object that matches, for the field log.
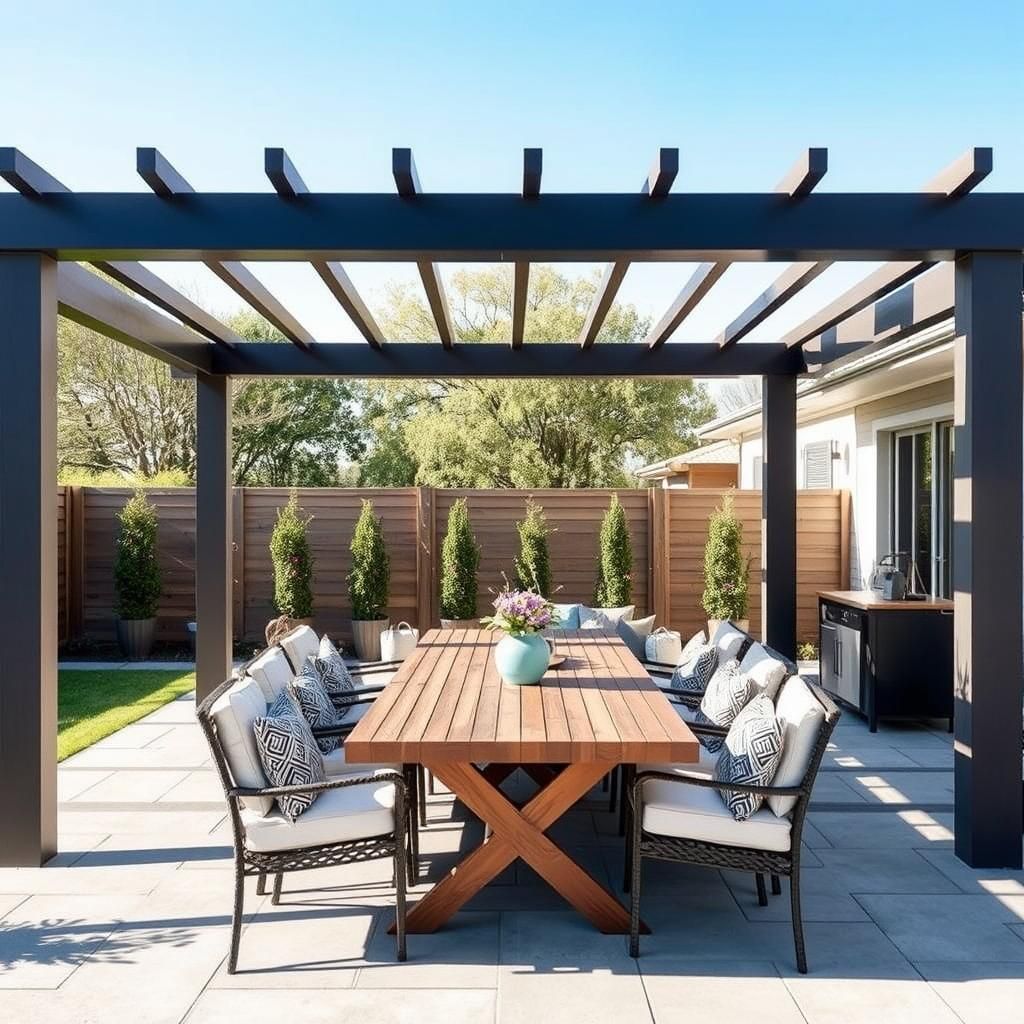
(522, 659)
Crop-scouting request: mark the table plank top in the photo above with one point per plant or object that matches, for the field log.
(447, 702)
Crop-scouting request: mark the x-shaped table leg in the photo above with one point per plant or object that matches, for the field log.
(519, 833)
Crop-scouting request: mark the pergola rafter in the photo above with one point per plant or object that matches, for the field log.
(157, 172)
(947, 251)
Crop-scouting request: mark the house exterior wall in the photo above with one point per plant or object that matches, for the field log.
(861, 436)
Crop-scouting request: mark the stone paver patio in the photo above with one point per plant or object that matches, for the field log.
(131, 920)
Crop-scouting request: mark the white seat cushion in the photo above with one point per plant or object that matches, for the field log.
(335, 765)
(233, 714)
(339, 815)
(694, 812)
(272, 671)
(766, 671)
(705, 767)
(800, 717)
(299, 644)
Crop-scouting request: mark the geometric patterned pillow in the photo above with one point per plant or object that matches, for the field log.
(288, 753)
(316, 705)
(728, 692)
(751, 755)
(696, 673)
(334, 674)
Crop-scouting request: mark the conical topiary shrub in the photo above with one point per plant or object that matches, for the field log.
(532, 567)
(369, 583)
(460, 559)
(137, 576)
(615, 559)
(725, 567)
(293, 562)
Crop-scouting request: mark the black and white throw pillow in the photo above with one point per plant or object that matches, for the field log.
(729, 690)
(334, 674)
(695, 674)
(288, 753)
(694, 646)
(317, 707)
(750, 754)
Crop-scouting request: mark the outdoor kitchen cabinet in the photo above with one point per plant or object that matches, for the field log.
(887, 659)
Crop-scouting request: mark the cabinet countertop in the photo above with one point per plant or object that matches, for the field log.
(868, 600)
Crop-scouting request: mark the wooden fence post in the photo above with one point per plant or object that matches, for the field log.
(424, 558)
(238, 560)
(658, 531)
(74, 579)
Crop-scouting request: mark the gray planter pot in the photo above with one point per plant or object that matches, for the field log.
(136, 637)
(366, 637)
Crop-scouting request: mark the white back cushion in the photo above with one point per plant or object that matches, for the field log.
(728, 639)
(800, 716)
(272, 671)
(299, 644)
(768, 672)
(233, 714)
(604, 618)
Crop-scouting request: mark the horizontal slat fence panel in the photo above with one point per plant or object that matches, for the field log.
(414, 521)
(334, 513)
(818, 553)
(176, 508)
(576, 517)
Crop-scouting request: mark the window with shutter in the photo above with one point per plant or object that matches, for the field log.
(818, 464)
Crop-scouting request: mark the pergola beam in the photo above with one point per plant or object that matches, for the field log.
(408, 184)
(288, 183)
(700, 282)
(963, 174)
(95, 303)
(474, 360)
(657, 184)
(166, 182)
(533, 166)
(805, 174)
(591, 227)
(31, 180)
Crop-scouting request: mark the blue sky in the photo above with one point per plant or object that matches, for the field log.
(895, 90)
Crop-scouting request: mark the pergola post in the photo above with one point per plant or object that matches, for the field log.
(778, 514)
(987, 558)
(213, 532)
(28, 559)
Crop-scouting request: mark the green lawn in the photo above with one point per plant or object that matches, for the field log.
(93, 703)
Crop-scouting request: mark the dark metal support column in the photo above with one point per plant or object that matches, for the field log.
(778, 514)
(28, 559)
(987, 554)
(213, 532)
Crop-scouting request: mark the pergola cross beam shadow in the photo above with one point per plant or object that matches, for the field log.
(947, 251)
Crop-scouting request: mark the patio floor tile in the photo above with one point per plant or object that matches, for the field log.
(978, 993)
(868, 830)
(960, 927)
(713, 992)
(868, 1001)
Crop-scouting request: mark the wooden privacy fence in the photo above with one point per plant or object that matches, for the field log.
(668, 530)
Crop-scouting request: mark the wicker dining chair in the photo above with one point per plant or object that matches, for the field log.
(345, 849)
(753, 858)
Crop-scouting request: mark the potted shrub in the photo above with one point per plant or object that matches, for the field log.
(137, 576)
(460, 559)
(725, 569)
(532, 567)
(614, 587)
(293, 563)
(368, 584)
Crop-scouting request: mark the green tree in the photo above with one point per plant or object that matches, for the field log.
(514, 433)
(370, 579)
(532, 567)
(293, 562)
(460, 559)
(725, 568)
(121, 412)
(615, 559)
(136, 570)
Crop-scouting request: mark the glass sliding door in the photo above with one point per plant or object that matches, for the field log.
(922, 505)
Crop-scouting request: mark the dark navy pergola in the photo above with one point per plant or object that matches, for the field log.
(948, 251)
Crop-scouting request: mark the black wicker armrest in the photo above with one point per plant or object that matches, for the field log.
(678, 693)
(659, 667)
(705, 783)
(348, 698)
(373, 666)
(385, 775)
(708, 729)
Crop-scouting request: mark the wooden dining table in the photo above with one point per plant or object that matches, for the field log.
(448, 709)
